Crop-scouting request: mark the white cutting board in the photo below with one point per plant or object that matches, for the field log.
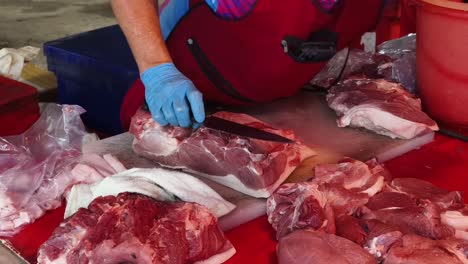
(314, 123)
(311, 119)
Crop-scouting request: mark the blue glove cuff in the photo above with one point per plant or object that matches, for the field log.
(158, 72)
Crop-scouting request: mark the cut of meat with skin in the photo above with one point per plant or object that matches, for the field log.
(380, 106)
(298, 206)
(254, 167)
(133, 228)
(414, 249)
(308, 246)
(409, 215)
(422, 189)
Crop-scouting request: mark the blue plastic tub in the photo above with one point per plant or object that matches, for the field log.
(94, 70)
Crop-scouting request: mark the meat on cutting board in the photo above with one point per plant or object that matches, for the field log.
(414, 249)
(133, 228)
(380, 106)
(251, 166)
(308, 246)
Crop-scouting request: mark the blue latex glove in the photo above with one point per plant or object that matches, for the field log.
(171, 96)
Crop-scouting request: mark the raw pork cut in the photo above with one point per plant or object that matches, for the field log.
(358, 64)
(38, 167)
(425, 190)
(414, 249)
(299, 206)
(132, 228)
(159, 184)
(251, 166)
(380, 106)
(408, 214)
(357, 176)
(308, 246)
(336, 190)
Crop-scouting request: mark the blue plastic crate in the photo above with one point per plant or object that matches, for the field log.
(94, 70)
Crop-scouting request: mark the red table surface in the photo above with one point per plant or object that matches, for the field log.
(443, 162)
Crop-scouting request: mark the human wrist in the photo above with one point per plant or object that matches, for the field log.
(158, 72)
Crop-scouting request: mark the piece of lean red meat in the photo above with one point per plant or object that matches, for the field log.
(309, 246)
(380, 106)
(446, 200)
(133, 228)
(414, 249)
(254, 167)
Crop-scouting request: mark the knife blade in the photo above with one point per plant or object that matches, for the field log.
(237, 129)
(242, 130)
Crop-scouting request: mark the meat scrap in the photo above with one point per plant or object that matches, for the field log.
(380, 106)
(254, 167)
(133, 228)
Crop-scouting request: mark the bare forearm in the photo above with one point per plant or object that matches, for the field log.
(140, 23)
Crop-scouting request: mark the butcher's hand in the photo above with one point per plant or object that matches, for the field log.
(172, 97)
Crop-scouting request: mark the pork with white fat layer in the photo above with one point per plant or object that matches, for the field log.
(254, 167)
(380, 106)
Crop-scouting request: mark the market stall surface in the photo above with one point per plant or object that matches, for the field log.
(443, 162)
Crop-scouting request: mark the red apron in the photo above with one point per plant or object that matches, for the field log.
(252, 59)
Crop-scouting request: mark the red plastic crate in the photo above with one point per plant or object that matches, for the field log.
(19, 106)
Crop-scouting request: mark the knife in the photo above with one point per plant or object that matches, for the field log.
(234, 128)
(242, 130)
